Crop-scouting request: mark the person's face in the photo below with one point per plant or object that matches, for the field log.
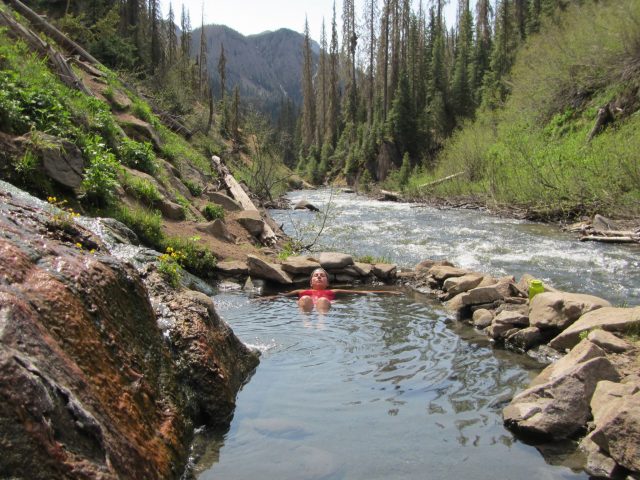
(319, 280)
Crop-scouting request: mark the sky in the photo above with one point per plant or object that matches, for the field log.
(256, 16)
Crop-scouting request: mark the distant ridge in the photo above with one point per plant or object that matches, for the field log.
(267, 66)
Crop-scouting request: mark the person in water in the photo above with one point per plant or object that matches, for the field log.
(320, 295)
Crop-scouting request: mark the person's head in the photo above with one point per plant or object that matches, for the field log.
(319, 279)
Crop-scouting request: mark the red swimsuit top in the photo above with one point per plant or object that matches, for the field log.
(315, 294)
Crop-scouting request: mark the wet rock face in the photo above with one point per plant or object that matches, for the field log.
(89, 385)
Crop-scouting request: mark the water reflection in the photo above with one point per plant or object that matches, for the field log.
(385, 388)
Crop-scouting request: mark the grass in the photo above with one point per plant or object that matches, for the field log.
(143, 189)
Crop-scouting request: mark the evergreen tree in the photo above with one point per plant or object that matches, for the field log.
(334, 97)
(222, 72)
(402, 118)
(462, 87)
(172, 38)
(308, 103)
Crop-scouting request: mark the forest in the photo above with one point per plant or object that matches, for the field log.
(530, 103)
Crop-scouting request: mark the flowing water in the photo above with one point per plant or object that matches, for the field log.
(386, 387)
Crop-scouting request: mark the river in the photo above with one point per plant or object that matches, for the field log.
(389, 387)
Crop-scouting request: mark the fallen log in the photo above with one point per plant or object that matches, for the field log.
(45, 27)
(441, 180)
(268, 237)
(605, 239)
(57, 62)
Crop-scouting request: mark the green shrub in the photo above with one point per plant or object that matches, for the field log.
(142, 189)
(194, 188)
(145, 223)
(101, 177)
(169, 266)
(213, 211)
(198, 260)
(138, 155)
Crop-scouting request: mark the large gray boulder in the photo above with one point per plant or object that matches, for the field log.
(559, 408)
(607, 318)
(217, 229)
(258, 268)
(442, 272)
(61, 160)
(481, 296)
(252, 221)
(558, 310)
(334, 260)
(300, 265)
(233, 268)
(581, 353)
(384, 271)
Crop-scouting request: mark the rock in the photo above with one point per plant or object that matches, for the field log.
(217, 229)
(582, 352)
(481, 295)
(171, 210)
(599, 464)
(299, 265)
(602, 224)
(61, 160)
(99, 377)
(618, 431)
(606, 397)
(456, 285)
(425, 265)
(223, 200)
(442, 272)
(139, 130)
(608, 341)
(363, 269)
(559, 408)
(558, 310)
(384, 271)
(611, 319)
(251, 220)
(515, 318)
(482, 318)
(334, 260)
(305, 205)
(269, 271)
(526, 338)
(233, 268)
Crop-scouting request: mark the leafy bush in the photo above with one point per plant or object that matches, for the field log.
(138, 155)
(145, 223)
(101, 177)
(169, 265)
(142, 189)
(194, 188)
(198, 260)
(213, 211)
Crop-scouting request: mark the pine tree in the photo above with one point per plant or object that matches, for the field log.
(308, 103)
(461, 86)
(202, 57)
(222, 72)
(322, 87)
(172, 38)
(349, 43)
(334, 98)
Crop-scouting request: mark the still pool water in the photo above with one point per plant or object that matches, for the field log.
(381, 387)
(386, 387)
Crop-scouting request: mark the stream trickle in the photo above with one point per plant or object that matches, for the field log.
(388, 387)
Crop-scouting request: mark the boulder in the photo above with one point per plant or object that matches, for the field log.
(232, 268)
(611, 319)
(526, 338)
(139, 130)
(61, 160)
(269, 271)
(602, 224)
(482, 318)
(606, 397)
(217, 229)
(334, 260)
(425, 265)
(455, 285)
(442, 272)
(608, 341)
(599, 464)
(481, 295)
(170, 210)
(617, 431)
(384, 271)
(223, 200)
(251, 220)
(558, 310)
(363, 269)
(559, 408)
(305, 205)
(582, 352)
(515, 318)
(299, 265)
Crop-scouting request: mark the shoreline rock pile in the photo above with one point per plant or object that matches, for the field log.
(594, 389)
